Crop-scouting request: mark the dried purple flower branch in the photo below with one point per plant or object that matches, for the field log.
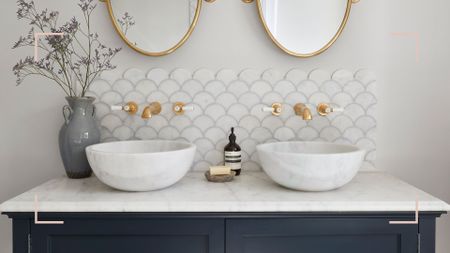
(74, 60)
(126, 22)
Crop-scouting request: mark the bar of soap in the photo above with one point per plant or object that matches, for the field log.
(219, 170)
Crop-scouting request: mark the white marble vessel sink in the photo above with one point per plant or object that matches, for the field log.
(310, 166)
(141, 165)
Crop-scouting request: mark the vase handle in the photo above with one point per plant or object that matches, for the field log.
(67, 112)
(93, 111)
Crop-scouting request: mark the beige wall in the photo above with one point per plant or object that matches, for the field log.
(414, 125)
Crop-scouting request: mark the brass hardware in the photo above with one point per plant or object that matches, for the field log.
(275, 109)
(162, 53)
(210, 1)
(179, 108)
(151, 110)
(323, 49)
(355, 1)
(303, 111)
(131, 108)
(248, 1)
(325, 109)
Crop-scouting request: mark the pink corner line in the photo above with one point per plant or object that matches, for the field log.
(414, 35)
(36, 219)
(36, 40)
(414, 222)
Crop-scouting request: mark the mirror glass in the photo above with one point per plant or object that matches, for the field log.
(154, 27)
(304, 27)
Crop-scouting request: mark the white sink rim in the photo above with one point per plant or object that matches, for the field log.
(351, 148)
(96, 148)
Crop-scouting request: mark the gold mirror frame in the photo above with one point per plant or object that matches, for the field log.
(323, 49)
(162, 53)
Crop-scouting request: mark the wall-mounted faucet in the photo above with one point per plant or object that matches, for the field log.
(303, 111)
(130, 107)
(325, 109)
(179, 108)
(151, 110)
(275, 109)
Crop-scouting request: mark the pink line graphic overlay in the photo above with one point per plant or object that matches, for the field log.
(36, 41)
(414, 222)
(36, 219)
(415, 36)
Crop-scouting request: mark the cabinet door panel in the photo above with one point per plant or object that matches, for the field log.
(134, 236)
(324, 235)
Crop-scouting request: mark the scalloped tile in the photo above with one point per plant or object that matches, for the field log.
(157, 75)
(224, 99)
(249, 75)
(203, 75)
(296, 76)
(226, 76)
(272, 75)
(145, 87)
(342, 76)
(180, 75)
(134, 75)
(319, 75)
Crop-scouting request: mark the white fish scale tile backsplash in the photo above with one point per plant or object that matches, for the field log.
(228, 98)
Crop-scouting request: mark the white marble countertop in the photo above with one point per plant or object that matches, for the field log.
(251, 192)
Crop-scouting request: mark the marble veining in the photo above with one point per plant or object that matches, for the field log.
(251, 192)
(227, 98)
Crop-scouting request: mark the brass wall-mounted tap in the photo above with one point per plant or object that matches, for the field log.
(303, 111)
(275, 109)
(179, 108)
(324, 109)
(130, 107)
(151, 110)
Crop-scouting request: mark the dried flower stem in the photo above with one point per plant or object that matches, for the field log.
(71, 61)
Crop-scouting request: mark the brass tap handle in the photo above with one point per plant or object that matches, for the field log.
(324, 109)
(151, 110)
(130, 107)
(275, 109)
(302, 110)
(179, 108)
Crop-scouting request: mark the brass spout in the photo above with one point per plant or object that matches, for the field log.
(303, 111)
(151, 110)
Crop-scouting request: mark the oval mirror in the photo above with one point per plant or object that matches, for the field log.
(154, 27)
(304, 28)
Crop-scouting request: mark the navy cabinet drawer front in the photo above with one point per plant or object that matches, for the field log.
(323, 235)
(130, 235)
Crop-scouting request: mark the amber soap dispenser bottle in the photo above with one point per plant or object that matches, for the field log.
(233, 158)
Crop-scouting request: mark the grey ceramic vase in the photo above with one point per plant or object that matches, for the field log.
(79, 131)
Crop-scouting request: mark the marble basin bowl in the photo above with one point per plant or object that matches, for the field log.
(310, 166)
(141, 165)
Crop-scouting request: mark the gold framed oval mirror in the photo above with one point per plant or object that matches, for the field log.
(304, 28)
(154, 27)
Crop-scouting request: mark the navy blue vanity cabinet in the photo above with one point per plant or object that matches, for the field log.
(366, 232)
(320, 235)
(109, 233)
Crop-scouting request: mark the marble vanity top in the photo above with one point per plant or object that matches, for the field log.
(251, 192)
